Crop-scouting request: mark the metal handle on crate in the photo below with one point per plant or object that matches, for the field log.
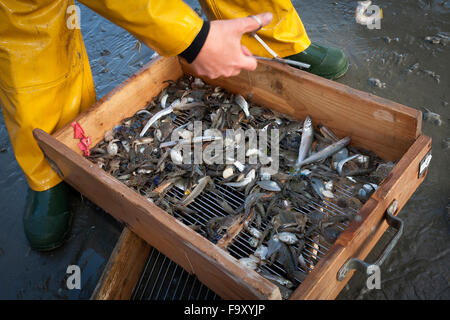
(358, 264)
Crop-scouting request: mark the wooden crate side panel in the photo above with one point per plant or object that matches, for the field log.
(358, 239)
(374, 123)
(211, 265)
(122, 102)
(400, 184)
(123, 269)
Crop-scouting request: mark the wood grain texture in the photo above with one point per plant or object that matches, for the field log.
(194, 253)
(374, 123)
(123, 268)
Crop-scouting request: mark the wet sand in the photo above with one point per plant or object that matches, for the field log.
(418, 265)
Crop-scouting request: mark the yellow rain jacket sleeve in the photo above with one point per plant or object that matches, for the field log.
(286, 34)
(167, 26)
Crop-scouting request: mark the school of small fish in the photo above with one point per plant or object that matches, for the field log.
(314, 164)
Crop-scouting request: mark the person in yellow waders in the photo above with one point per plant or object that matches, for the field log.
(46, 81)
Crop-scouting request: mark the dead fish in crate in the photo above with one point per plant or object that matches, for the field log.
(241, 102)
(248, 178)
(164, 112)
(306, 141)
(277, 279)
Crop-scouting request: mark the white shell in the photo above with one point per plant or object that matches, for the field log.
(176, 156)
(255, 232)
(329, 185)
(144, 171)
(228, 172)
(265, 176)
(249, 263)
(185, 134)
(112, 148)
(261, 252)
(287, 237)
(164, 101)
(305, 172)
(251, 174)
(158, 134)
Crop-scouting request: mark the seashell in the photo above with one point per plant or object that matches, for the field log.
(239, 166)
(176, 156)
(255, 232)
(112, 147)
(261, 252)
(228, 172)
(269, 185)
(328, 194)
(253, 242)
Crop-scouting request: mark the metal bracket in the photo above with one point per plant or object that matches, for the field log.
(358, 264)
(424, 164)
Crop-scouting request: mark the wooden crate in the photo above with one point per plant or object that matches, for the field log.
(390, 129)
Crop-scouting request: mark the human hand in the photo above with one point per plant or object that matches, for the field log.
(222, 53)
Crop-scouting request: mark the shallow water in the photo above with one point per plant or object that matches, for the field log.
(418, 266)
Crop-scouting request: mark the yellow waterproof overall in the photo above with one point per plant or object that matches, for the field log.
(45, 78)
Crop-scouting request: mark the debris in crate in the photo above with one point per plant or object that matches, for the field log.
(192, 151)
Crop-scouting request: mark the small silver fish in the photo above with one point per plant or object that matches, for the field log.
(255, 232)
(269, 185)
(253, 242)
(112, 147)
(261, 252)
(326, 152)
(306, 141)
(248, 178)
(174, 106)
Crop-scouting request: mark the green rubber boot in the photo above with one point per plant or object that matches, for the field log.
(327, 62)
(47, 218)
